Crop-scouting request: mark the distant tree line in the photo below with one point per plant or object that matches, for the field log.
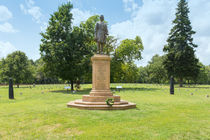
(66, 51)
(25, 71)
(155, 72)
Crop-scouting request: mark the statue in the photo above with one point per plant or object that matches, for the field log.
(101, 33)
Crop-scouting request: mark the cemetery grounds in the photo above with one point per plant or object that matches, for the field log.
(40, 112)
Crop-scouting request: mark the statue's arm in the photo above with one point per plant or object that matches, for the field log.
(96, 30)
(106, 30)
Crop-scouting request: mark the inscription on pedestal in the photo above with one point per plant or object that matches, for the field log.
(101, 76)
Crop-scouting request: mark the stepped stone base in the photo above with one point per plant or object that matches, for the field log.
(121, 105)
(89, 98)
(96, 100)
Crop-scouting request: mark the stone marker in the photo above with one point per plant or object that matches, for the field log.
(11, 93)
(172, 85)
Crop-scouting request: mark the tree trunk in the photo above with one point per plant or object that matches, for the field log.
(17, 85)
(181, 82)
(72, 85)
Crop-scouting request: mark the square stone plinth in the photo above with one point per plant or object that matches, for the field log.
(100, 88)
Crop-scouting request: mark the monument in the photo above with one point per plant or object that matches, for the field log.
(101, 78)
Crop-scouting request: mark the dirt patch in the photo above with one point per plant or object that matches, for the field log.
(49, 128)
(2, 133)
(73, 132)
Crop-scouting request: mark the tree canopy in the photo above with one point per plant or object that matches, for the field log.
(124, 56)
(63, 46)
(181, 61)
(16, 66)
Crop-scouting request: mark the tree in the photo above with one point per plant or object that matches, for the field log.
(17, 66)
(130, 73)
(1, 67)
(42, 76)
(181, 61)
(143, 74)
(130, 49)
(157, 72)
(123, 59)
(207, 68)
(63, 47)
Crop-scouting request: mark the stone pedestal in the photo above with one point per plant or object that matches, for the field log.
(100, 88)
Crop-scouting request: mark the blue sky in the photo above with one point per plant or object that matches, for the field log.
(21, 22)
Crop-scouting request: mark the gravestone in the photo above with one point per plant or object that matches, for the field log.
(172, 85)
(11, 93)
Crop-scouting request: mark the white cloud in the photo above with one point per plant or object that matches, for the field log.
(32, 10)
(153, 21)
(130, 5)
(22, 7)
(36, 13)
(199, 15)
(80, 16)
(6, 48)
(43, 26)
(7, 27)
(30, 3)
(5, 14)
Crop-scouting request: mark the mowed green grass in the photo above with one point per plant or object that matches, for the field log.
(41, 113)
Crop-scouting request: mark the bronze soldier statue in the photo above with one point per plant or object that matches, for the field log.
(101, 33)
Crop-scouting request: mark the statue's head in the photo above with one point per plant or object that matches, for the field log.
(102, 18)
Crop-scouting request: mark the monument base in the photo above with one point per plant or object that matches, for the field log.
(100, 89)
(121, 105)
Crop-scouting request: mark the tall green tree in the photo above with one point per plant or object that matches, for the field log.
(130, 73)
(17, 66)
(143, 74)
(43, 76)
(181, 61)
(63, 47)
(123, 59)
(157, 72)
(130, 49)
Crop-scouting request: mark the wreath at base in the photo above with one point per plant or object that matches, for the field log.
(109, 101)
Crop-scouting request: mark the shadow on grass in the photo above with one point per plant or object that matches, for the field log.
(194, 87)
(114, 90)
(134, 89)
(80, 92)
(15, 87)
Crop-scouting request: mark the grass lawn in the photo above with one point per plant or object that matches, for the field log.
(41, 113)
